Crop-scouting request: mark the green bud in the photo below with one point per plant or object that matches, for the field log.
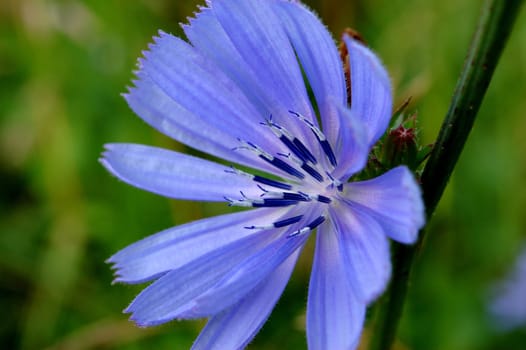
(400, 147)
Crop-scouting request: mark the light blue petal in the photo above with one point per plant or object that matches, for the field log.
(335, 317)
(371, 97)
(364, 250)
(186, 96)
(394, 200)
(174, 293)
(207, 35)
(320, 60)
(235, 285)
(174, 174)
(352, 149)
(260, 39)
(235, 327)
(177, 246)
(149, 102)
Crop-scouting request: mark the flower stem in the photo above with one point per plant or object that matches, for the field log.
(494, 27)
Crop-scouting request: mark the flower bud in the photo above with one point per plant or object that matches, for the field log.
(401, 147)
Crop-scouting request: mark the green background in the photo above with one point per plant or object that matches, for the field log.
(63, 65)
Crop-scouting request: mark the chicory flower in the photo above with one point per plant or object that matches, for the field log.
(238, 90)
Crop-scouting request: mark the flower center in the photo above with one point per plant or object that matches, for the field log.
(312, 178)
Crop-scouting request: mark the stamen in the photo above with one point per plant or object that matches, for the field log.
(260, 202)
(305, 166)
(278, 163)
(277, 224)
(292, 143)
(260, 179)
(315, 223)
(289, 221)
(312, 172)
(270, 182)
(323, 199)
(273, 202)
(325, 145)
(296, 196)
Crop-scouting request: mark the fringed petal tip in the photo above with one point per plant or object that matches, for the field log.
(161, 34)
(104, 162)
(142, 323)
(191, 19)
(121, 277)
(157, 43)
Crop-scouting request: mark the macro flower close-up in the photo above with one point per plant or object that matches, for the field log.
(260, 87)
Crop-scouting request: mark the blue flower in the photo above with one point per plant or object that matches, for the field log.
(508, 300)
(238, 90)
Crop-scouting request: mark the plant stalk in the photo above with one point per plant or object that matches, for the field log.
(494, 27)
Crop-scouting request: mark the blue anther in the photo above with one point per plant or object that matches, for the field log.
(293, 147)
(278, 163)
(324, 199)
(300, 197)
(292, 143)
(315, 223)
(270, 182)
(305, 151)
(327, 149)
(325, 145)
(287, 222)
(274, 202)
(312, 172)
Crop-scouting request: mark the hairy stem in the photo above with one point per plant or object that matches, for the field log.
(494, 27)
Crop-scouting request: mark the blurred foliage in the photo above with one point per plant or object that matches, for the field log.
(62, 67)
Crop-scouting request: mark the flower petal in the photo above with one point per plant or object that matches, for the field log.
(174, 174)
(371, 98)
(352, 149)
(177, 246)
(207, 35)
(319, 59)
(260, 39)
(235, 327)
(335, 317)
(394, 200)
(175, 292)
(245, 276)
(185, 95)
(364, 251)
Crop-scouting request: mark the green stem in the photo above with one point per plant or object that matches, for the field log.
(494, 28)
